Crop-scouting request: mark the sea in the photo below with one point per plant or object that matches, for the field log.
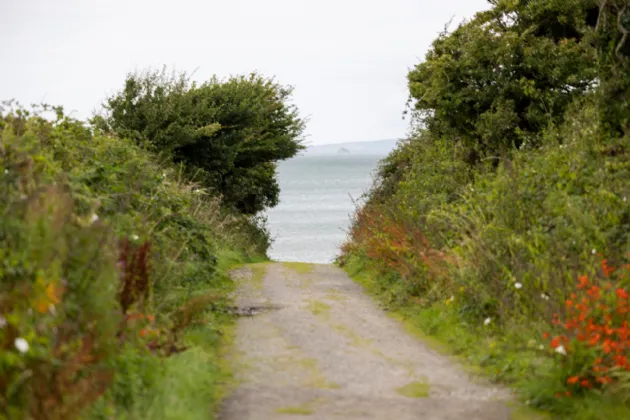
(318, 195)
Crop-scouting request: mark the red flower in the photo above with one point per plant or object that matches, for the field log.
(583, 282)
(573, 380)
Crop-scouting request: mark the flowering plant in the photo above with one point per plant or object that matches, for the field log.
(592, 343)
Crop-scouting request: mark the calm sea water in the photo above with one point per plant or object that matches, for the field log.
(316, 202)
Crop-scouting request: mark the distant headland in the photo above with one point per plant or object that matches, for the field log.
(371, 148)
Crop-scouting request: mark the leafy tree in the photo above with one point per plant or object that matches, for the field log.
(229, 134)
(612, 31)
(499, 80)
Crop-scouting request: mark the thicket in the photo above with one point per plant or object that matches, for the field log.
(113, 254)
(228, 134)
(502, 224)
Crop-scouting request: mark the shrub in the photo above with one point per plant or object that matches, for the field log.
(229, 134)
(102, 249)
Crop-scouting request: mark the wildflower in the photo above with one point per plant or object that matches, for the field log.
(583, 282)
(6, 171)
(541, 347)
(593, 251)
(544, 296)
(625, 199)
(573, 380)
(21, 344)
(94, 218)
(135, 237)
(561, 350)
(487, 321)
(3, 322)
(518, 286)
(450, 300)
(163, 174)
(622, 294)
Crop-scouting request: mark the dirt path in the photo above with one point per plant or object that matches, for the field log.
(314, 345)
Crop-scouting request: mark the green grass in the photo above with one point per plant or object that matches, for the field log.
(414, 390)
(298, 410)
(319, 308)
(300, 268)
(496, 358)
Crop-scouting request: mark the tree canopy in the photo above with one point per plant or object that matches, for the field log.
(229, 134)
(501, 78)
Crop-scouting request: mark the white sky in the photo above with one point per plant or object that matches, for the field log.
(347, 59)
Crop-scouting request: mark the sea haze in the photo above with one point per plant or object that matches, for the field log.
(318, 190)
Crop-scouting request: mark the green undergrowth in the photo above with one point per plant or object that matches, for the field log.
(114, 286)
(513, 359)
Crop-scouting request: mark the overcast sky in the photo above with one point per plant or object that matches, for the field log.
(347, 59)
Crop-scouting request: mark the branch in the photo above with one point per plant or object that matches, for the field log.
(623, 30)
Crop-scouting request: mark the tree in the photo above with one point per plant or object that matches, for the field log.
(497, 81)
(229, 134)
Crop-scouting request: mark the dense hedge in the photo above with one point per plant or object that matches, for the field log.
(109, 257)
(510, 199)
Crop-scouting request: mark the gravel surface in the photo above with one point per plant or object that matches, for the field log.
(312, 344)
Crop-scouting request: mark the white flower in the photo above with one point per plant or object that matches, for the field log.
(561, 350)
(3, 322)
(21, 344)
(135, 237)
(94, 218)
(625, 199)
(6, 171)
(541, 347)
(487, 321)
(163, 174)
(544, 296)
(593, 251)
(518, 285)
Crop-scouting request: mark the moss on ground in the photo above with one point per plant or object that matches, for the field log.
(415, 390)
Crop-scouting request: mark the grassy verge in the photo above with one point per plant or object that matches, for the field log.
(508, 358)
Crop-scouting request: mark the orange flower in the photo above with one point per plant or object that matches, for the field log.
(573, 380)
(583, 282)
(555, 343)
(622, 294)
(585, 383)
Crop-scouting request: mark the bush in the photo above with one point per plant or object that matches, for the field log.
(102, 248)
(479, 224)
(229, 134)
